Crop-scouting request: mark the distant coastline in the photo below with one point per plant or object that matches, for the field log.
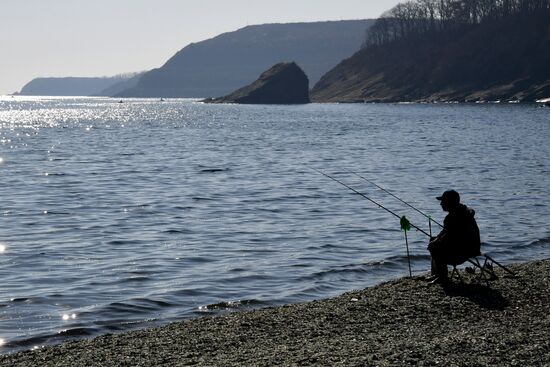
(79, 86)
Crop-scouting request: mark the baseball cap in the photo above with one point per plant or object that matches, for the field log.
(450, 195)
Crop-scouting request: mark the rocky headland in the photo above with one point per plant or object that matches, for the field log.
(283, 83)
(404, 322)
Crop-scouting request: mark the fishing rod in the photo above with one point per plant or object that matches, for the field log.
(372, 201)
(398, 198)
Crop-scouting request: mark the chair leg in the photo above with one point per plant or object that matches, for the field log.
(456, 273)
(493, 261)
(486, 272)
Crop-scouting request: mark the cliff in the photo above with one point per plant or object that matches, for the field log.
(284, 83)
(499, 60)
(218, 66)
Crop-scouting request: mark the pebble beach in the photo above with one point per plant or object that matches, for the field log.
(397, 323)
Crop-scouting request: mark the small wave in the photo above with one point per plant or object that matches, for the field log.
(22, 299)
(115, 325)
(50, 212)
(139, 305)
(258, 251)
(131, 154)
(177, 231)
(140, 272)
(155, 302)
(329, 246)
(244, 279)
(301, 266)
(234, 270)
(58, 174)
(133, 279)
(517, 251)
(540, 242)
(230, 305)
(199, 198)
(188, 293)
(199, 259)
(117, 307)
(352, 268)
(43, 339)
(118, 242)
(46, 299)
(213, 170)
(78, 331)
(392, 262)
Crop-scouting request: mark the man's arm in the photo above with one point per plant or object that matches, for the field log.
(438, 240)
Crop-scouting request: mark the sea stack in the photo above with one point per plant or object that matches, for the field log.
(283, 83)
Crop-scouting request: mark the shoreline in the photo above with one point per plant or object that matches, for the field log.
(206, 100)
(400, 322)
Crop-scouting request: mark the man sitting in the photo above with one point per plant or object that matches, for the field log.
(458, 241)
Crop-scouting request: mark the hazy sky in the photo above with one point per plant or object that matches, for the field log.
(108, 37)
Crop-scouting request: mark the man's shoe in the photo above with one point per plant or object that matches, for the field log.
(431, 278)
(439, 280)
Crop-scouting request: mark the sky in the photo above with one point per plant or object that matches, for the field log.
(40, 38)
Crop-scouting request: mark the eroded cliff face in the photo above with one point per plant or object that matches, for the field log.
(283, 83)
(493, 61)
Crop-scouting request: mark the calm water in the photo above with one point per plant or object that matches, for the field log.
(117, 216)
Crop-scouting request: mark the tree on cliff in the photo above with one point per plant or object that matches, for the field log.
(439, 17)
(448, 50)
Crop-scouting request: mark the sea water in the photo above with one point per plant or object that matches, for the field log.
(117, 216)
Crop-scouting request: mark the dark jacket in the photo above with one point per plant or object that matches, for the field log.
(460, 234)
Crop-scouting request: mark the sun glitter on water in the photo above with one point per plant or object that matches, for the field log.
(2, 248)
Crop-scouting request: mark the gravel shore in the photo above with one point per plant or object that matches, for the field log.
(401, 322)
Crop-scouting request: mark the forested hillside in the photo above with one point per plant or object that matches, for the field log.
(467, 50)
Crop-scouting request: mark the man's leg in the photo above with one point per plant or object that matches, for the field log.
(439, 264)
(439, 268)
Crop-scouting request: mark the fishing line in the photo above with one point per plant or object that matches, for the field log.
(403, 220)
(397, 197)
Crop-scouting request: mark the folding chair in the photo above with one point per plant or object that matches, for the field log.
(485, 267)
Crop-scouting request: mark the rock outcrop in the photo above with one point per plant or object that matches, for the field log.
(283, 83)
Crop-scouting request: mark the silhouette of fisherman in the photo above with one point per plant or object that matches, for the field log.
(458, 241)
